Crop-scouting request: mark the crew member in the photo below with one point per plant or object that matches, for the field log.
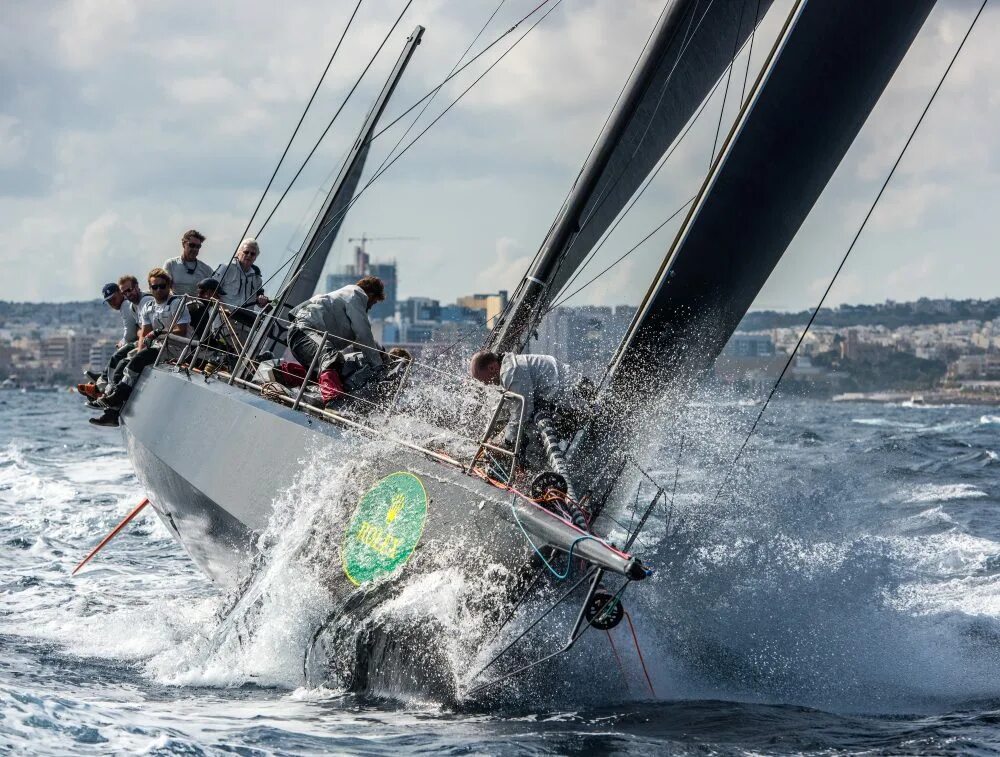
(115, 299)
(543, 382)
(343, 314)
(186, 270)
(241, 279)
(157, 314)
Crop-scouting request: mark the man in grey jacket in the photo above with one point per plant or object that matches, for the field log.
(544, 383)
(343, 314)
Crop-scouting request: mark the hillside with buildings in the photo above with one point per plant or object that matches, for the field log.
(917, 347)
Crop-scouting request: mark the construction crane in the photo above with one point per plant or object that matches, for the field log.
(364, 239)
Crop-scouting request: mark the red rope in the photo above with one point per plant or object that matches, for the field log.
(619, 661)
(635, 640)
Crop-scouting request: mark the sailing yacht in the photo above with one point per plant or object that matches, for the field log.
(439, 498)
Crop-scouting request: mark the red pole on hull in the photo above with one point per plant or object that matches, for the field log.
(112, 535)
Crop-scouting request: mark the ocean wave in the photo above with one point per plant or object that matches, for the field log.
(942, 493)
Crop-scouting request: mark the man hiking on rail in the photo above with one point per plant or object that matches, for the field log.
(156, 316)
(343, 314)
(548, 387)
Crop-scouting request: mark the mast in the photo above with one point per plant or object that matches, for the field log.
(826, 74)
(689, 49)
(302, 278)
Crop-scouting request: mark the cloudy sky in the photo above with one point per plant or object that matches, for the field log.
(124, 123)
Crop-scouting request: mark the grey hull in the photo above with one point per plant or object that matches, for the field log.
(214, 459)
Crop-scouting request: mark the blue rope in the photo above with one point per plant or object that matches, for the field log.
(569, 557)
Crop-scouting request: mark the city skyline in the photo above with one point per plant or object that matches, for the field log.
(110, 149)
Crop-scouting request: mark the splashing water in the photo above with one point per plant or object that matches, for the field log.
(852, 567)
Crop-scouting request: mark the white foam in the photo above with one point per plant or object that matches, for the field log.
(943, 493)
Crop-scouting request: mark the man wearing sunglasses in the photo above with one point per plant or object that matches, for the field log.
(241, 279)
(186, 270)
(156, 315)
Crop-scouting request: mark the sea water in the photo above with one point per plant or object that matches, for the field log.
(837, 589)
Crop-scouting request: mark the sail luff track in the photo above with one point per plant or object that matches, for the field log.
(834, 63)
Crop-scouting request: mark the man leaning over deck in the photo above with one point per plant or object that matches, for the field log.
(343, 313)
(156, 316)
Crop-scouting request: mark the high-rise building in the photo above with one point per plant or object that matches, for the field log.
(491, 304)
(362, 266)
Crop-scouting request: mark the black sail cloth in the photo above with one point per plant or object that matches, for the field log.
(836, 60)
(689, 50)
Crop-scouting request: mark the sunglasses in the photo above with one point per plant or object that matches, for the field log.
(193, 245)
(249, 253)
(158, 287)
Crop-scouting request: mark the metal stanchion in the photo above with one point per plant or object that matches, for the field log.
(309, 370)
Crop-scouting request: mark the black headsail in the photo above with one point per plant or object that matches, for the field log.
(830, 67)
(688, 51)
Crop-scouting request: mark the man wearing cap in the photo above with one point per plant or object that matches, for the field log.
(186, 270)
(207, 289)
(159, 313)
(115, 299)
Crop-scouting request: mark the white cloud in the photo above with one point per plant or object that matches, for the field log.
(86, 29)
(506, 269)
(144, 119)
(12, 143)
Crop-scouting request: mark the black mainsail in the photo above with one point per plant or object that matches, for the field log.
(688, 51)
(828, 70)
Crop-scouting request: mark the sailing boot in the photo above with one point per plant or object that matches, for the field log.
(117, 397)
(331, 387)
(90, 391)
(109, 418)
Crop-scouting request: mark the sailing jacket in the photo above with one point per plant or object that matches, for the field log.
(187, 275)
(130, 318)
(343, 313)
(241, 287)
(537, 378)
(158, 316)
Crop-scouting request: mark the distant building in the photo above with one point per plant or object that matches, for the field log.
(491, 304)
(420, 310)
(749, 345)
(100, 353)
(361, 267)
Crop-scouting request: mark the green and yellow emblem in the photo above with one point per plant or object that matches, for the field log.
(385, 528)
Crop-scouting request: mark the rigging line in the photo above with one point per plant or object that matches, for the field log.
(335, 115)
(472, 60)
(437, 118)
(746, 73)
(436, 91)
(620, 259)
(649, 180)
(850, 247)
(606, 192)
(597, 139)
(729, 76)
(295, 131)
